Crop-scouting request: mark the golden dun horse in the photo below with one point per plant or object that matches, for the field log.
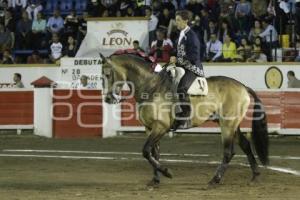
(227, 101)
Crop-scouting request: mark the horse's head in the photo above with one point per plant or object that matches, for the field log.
(113, 80)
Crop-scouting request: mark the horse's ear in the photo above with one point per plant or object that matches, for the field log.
(103, 58)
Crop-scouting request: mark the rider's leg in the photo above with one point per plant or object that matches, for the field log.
(184, 120)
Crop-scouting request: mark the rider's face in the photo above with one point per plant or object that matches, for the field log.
(180, 23)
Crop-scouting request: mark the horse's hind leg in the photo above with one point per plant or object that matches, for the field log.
(246, 147)
(228, 153)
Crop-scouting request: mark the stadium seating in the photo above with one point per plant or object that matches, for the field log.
(80, 5)
(65, 6)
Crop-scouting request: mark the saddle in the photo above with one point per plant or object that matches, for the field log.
(199, 86)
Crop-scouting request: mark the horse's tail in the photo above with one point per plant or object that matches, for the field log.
(260, 129)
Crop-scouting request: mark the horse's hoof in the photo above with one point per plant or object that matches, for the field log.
(153, 183)
(254, 176)
(214, 182)
(166, 173)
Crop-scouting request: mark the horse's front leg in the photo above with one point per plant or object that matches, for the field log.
(156, 174)
(151, 152)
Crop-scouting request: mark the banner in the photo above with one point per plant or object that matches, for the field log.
(73, 68)
(106, 35)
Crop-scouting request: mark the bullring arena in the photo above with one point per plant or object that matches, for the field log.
(61, 140)
(38, 168)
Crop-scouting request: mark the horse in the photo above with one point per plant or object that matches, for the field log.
(227, 102)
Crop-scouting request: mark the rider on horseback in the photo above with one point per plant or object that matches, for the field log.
(187, 57)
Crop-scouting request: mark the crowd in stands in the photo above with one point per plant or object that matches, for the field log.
(40, 31)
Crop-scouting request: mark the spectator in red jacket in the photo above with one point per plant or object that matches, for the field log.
(161, 48)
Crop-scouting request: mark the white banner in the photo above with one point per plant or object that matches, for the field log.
(107, 36)
(73, 68)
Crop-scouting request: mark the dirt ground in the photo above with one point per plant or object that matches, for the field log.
(103, 169)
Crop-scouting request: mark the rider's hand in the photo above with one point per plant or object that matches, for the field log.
(173, 59)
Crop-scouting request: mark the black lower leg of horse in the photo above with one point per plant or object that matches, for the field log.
(246, 147)
(156, 155)
(156, 174)
(227, 156)
(147, 150)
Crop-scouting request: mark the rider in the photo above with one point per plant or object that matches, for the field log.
(187, 57)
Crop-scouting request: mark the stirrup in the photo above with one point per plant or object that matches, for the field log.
(186, 125)
(181, 125)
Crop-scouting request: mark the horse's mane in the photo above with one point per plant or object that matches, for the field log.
(159, 82)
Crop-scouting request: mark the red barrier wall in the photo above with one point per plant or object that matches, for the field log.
(70, 107)
(16, 107)
(291, 110)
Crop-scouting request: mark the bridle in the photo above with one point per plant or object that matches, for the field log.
(117, 98)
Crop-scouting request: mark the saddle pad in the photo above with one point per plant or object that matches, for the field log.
(198, 87)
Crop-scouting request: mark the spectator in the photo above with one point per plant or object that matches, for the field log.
(136, 46)
(95, 8)
(152, 24)
(105, 13)
(224, 31)
(156, 7)
(228, 14)
(204, 19)
(242, 13)
(194, 6)
(257, 43)
(293, 82)
(7, 57)
(259, 8)
(161, 47)
(255, 31)
(213, 49)
(55, 23)
(38, 31)
(18, 81)
(228, 50)
(23, 37)
(6, 39)
(129, 12)
(110, 5)
(56, 48)
(214, 8)
(270, 38)
(258, 56)
(71, 24)
(82, 27)
(3, 8)
(244, 50)
(164, 18)
(34, 7)
(9, 21)
(70, 49)
(198, 27)
(212, 29)
(84, 84)
(34, 58)
(124, 5)
(171, 5)
(18, 5)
